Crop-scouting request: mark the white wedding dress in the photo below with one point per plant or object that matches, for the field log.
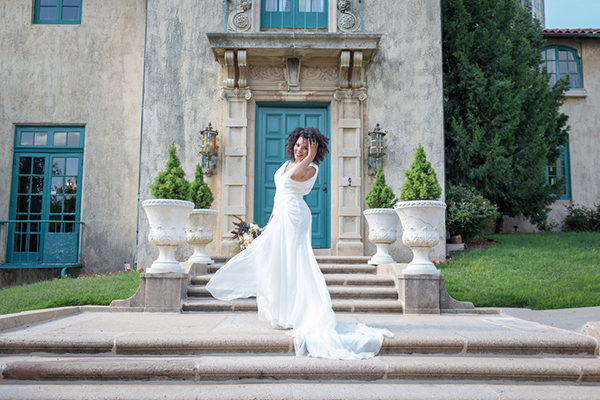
(280, 269)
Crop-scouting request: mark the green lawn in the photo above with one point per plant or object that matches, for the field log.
(89, 290)
(540, 271)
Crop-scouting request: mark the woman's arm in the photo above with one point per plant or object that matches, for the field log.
(303, 171)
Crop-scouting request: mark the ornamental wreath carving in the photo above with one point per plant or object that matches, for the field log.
(266, 73)
(330, 74)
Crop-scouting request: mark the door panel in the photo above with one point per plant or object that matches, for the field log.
(273, 126)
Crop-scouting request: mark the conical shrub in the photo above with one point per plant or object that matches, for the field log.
(201, 195)
(171, 183)
(380, 195)
(421, 181)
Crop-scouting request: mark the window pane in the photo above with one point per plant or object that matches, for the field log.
(39, 165)
(58, 166)
(271, 5)
(36, 204)
(573, 80)
(33, 243)
(72, 164)
(60, 138)
(47, 2)
(572, 68)
(56, 204)
(552, 67)
(570, 56)
(22, 204)
(26, 138)
(317, 5)
(71, 2)
(551, 54)
(70, 13)
(70, 203)
(552, 170)
(553, 80)
(40, 139)
(24, 165)
(71, 185)
(284, 5)
(23, 186)
(37, 185)
(57, 186)
(73, 139)
(562, 67)
(562, 55)
(47, 13)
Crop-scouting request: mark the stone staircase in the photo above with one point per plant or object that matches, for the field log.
(353, 284)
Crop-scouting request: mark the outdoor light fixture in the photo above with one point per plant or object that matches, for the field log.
(376, 149)
(208, 149)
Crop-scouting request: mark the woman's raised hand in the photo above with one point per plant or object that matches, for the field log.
(313, 146)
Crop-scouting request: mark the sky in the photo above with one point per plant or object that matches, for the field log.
(572, 14)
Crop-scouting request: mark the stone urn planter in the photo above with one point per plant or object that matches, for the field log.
(199, 232)
(167, 231)
(382, 232)
(420, 231)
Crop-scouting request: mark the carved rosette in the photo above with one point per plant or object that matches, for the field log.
(382, 232)
(349, 17)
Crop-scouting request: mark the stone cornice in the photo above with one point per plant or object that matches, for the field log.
(293, 44)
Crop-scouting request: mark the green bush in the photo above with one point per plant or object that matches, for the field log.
(380, 195)
(200, 192)
(421, 181)
(581, 219)
(468, 212)
(171, 183)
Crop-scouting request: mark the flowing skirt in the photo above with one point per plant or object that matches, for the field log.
(280, 269)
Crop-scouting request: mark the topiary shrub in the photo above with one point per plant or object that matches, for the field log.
(380, 195)
(468, 212)
(200, 193)
(171, 183)
(421, 181)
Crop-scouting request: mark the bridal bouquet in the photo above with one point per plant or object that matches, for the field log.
(244, 233)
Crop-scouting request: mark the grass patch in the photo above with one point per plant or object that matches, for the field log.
(98, 289)
(540, 271)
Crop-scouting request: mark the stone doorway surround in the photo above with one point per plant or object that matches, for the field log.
(294, 67)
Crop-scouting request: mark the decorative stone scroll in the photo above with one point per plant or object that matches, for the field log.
(266, 73)
(239, 19)
(329, 74)
(233, 93)
(359, 94)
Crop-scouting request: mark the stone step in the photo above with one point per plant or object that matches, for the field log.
(275, 390)
(263, 368)
(331, 279)
(339, 305)
(336, 292)
(326, 268)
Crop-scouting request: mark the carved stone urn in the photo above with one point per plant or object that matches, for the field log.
(199, 232)
(420, 231)
(167, 231)
(382, 232)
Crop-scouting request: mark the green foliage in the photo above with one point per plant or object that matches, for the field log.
(85, 290)
(200, 192)
(468, 213)
(171, 183)
(380, 195)
(540, 271)
(421, 181)
(581, 219)
(502, 121)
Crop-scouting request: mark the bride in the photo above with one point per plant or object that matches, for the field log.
(280, 268)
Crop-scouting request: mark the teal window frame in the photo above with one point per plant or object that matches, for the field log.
(293, 18)
(557, 67)
(561, 170)
(60, 7)
(61, 150)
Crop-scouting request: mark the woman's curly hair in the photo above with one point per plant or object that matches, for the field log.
(310, 133)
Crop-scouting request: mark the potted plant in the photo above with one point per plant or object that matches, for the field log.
(199, 225)
(382, 218)
(420, 213)
(168, 213)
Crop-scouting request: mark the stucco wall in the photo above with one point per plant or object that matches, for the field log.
(405, 94)
(89, 74)
(181, 96)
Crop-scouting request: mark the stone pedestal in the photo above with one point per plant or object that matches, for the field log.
(157, 293)
(423, 293)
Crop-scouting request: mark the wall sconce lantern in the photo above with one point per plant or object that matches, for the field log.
(208, 149)
(376, 149)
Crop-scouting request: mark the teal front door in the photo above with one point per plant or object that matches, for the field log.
(273, 124)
